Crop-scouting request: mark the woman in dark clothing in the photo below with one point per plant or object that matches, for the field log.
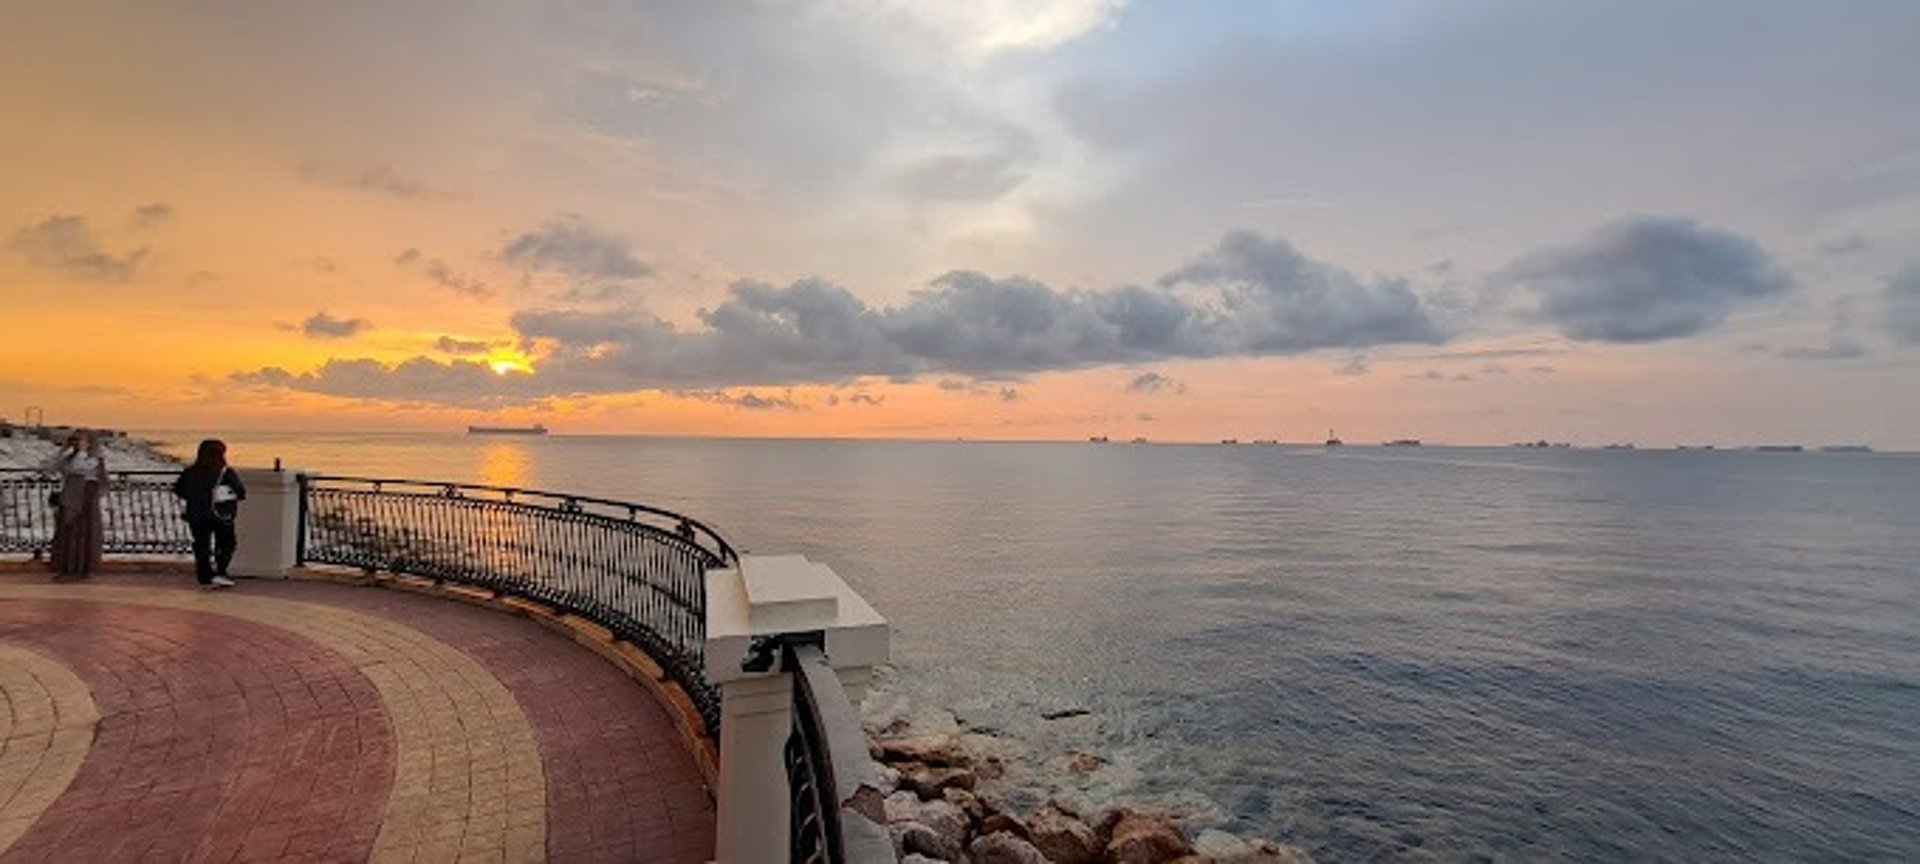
(80, 533)
(213, 493)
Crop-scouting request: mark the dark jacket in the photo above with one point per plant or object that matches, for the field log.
(195, 486)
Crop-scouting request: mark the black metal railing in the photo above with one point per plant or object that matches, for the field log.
(837, 813)
(141, 516)
(639, 571)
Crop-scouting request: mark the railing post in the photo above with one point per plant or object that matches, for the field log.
(268, 527)
(768, 596)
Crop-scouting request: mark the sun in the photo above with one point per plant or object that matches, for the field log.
(508, 365)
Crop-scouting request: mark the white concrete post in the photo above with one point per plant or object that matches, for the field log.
(769, 595)
(268, 527)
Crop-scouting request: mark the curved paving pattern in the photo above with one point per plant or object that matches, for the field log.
(461, 734)
(46, 728)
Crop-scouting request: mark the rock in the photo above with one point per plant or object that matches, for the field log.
(1064, 713)
(1082, 764)
(914, 838)
(931, 782)
(1062, 838)
(1142, 839)
(1221, 846)
(936, 750)
(945, 819)
(886, 779)
(968, 803)
(1004, 848)
(991, 769)
(917, 858)
(1005, 823)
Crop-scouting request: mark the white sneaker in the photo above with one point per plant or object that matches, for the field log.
(221, 582)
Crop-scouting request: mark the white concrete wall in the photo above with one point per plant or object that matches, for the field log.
(764, 596)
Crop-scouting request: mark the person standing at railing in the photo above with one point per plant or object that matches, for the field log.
(213, 493)
(78, 532)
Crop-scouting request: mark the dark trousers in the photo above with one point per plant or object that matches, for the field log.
(213, 543)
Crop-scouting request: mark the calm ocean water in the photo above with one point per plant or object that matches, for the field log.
(1374, 654)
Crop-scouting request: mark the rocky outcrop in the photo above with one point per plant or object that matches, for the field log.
(1004, 848)
(1063, 838)
(1139, 838)
(940, 809)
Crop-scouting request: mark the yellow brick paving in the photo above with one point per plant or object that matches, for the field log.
(467, 782)
(47, 720)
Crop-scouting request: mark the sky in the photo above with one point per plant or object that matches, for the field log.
(1481, 221)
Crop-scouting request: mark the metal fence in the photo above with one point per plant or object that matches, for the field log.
(141, 516)
(836, 814)
(638, 570)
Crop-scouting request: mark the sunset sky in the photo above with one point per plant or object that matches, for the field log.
(1661, 221)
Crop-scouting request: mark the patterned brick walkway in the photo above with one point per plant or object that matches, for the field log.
(143, 719)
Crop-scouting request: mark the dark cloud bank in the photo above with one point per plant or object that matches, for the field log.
(1647, 280)
(1249, 296)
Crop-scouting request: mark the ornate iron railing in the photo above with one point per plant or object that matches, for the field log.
(140, 512)
(837, 814)
(638, 570)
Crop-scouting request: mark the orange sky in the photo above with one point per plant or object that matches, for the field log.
(203, 209)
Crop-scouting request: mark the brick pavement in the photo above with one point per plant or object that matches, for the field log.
(309, 721)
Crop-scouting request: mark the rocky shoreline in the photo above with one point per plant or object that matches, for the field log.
(941, 806)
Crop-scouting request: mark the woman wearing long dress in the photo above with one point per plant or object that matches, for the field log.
(79, 532)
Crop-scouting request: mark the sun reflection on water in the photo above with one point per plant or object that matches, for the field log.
(505, 463)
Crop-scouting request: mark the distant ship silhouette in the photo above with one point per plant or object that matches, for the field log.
(535, 429)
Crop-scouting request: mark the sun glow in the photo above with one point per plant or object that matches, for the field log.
(508, 365)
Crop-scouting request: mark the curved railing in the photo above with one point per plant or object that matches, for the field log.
(639, 571)
(837, 814)
(140, 512)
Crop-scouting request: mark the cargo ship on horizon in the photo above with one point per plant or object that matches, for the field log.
(535, 429)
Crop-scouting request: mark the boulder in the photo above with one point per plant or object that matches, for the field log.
(913, 838)
(936, 750)
(1004, 848)
(930, 782)
(1139, 838)
(1063, 838)
(944, 818)
(1005, 823)
(917, 858)
(968, 803)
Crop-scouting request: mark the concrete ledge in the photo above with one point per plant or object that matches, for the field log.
(624, 655)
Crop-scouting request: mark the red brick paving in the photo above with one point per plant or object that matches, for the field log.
(217, 737)
(619, 785)
(203, 688)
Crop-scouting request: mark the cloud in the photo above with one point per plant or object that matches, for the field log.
(65, 243)
(953, 384)
(1542, 370)
(1008, 394)
(1355, 366)
(1902, 299)
(420, 380)
(324, 326)
(1154, 382)
(452, 345)
(749, 401)
(857, 399)
(1277, 301)
(152, 215)
(567, 244)
(442, 274)
(1841, 344)
(376, 178)
(1847, 244)
(1648, 280)
(1249, 297)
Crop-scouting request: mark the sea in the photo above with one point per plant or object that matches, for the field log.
(1374, 654)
